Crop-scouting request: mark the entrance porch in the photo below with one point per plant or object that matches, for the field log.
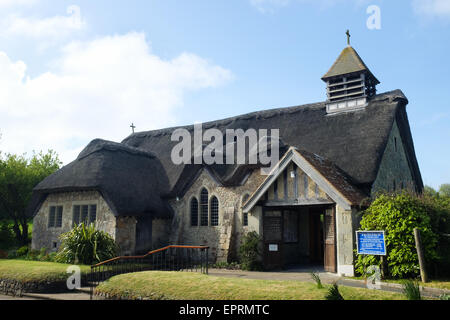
(299, 237)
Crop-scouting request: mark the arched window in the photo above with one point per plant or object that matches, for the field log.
(214, 211)
(194, 212)
(204, 207)
(245, 214)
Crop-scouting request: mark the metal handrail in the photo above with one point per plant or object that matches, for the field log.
(147, 254)
(187, 260)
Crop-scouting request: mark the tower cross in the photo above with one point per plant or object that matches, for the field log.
(348, 36)
(133, 127)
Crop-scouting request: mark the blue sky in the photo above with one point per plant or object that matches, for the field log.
(73, 71)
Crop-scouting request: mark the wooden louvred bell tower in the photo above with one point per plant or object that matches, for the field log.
(350, 83)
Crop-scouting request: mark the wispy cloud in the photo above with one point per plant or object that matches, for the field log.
(16, 3)
(50, 28)
(270, 6)
(432, 8)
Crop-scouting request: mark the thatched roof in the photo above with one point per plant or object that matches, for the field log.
(137, 176)
(132, 181)
(353, 141)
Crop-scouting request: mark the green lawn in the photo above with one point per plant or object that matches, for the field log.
(439, 284)
(196, 286)
(29, 271)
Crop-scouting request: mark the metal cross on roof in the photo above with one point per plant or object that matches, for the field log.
(348, 36)
(133, 127)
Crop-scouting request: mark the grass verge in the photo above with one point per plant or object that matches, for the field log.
(34, 271)
(195, 286)
(438, 284)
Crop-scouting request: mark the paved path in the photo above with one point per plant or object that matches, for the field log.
(82, 294)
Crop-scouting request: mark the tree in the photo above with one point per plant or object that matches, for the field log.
(18, 177)
(444, 190)
(429, 191)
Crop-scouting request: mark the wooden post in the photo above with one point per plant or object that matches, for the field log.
(423, 273)
(383, 267)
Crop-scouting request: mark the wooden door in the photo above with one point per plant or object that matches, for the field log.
(316, 252)
(273, 239)
(330, 241)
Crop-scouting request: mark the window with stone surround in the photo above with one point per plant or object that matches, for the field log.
(204, 207)
(214, 211)
(55, 217)
(84, 214)
(194, 212)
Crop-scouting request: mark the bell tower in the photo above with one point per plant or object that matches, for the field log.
(350, 83)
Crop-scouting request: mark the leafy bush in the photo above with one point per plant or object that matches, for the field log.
(317, 280)
(226, 265)
(33, 255)
(398, 215)
(12, 254)
(444, 297)
(249, 252)
(438, 208)
(22, 251)
(333, 293)
(7, 239)
(86, 245)
(411, 290)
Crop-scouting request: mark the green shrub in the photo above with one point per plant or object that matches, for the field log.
(249, 252)
(42, 254)
(12, 254)
(444, 297)
(398, 215)
(226, 265)
(86, 245)
(7, 239)
(33, 255)
(333, 293)
(317, 280)
(411, 290)
(22, 251)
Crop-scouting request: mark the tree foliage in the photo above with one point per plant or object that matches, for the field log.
(398, 215)
(18, 177)
(444, 190)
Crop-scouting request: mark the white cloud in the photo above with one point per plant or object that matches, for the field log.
(16, 3)
(95, 90)
(432, 8)
(270, 6)
(48, 28)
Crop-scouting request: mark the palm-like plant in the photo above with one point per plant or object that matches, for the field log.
(86, 245)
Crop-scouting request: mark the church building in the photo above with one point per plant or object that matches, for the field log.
(335, 156)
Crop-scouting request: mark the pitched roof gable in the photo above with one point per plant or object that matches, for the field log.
(324, 173)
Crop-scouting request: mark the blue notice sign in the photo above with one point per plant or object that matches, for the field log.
(371, 242)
